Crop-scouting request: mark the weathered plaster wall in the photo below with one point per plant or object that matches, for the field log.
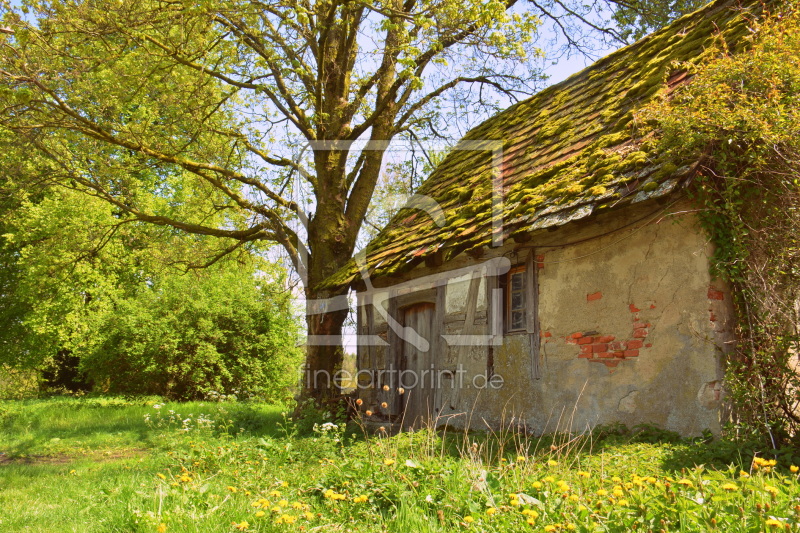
(633, 330)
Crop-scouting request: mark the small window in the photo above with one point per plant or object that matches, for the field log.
(515, 300)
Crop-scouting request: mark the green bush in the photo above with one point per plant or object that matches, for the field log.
(211, 334)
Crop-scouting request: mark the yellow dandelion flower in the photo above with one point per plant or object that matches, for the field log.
(685, 482)
(550, 527)
(552, 463)
(297, 505)
(521, 459)
(571, 527)
(537, 485)
(490, 511)
(530, 513)
(232, 489)
(742, 473)
(616, 479)
(283, 503)
(584, 474)
(338, 497)
(308, 515)
(162, 476)
(241, 526)
(360, 499)
(772, 490)
(618, 493)
(388, 462)
(602, 492)
(469, 519)
(275, 494)
(550, 479)
(651, 480)
(729, 486)
(794, 469)
(622, 503)
(289, 519)
(185, 478)
(259, 514)
(574, 498)
(162, 527)
(174, 483)
(771, 522)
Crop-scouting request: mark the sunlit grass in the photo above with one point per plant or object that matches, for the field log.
(244, 467)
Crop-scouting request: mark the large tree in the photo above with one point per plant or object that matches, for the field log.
(176, 112)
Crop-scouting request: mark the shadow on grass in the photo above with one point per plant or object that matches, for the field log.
(67, 425)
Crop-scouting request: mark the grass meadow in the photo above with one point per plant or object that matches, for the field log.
(141, 465)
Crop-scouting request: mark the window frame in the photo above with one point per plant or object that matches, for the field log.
(508, 301)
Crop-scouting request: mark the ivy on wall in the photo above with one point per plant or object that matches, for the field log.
(740, 116)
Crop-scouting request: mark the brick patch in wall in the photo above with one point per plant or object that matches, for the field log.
(715, 294)
(607, 349)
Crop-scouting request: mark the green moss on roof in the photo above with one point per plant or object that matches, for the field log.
(568, 151)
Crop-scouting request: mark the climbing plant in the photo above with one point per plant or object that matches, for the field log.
(740, 116)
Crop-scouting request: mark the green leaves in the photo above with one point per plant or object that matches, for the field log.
(738, 115)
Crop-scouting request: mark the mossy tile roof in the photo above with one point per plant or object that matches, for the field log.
(567, 153)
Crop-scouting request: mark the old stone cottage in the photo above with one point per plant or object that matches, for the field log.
(552, 268)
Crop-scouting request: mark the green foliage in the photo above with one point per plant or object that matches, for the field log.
(92, 285)
(212, 332)
(637, 19)
(739, 116)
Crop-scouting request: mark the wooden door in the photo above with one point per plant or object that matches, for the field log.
(418, 369)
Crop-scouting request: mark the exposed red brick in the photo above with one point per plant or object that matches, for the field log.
(619, 354)
(648, 345)
(597, 348)
(604, 355)
(540, 261)
(576, 335)
(633, 308)
(607, 338)
(639, 333)
(713, 317)
(586, 349)
(714, 294)
(617, 346)
(631, 353)
(585, 355)
(634, 344)
(594, 296)
(585, 340)
(547, 334)
(652, 306)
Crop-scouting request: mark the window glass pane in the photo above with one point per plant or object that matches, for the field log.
(517, 281)
(517, 300)
(517, 320)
